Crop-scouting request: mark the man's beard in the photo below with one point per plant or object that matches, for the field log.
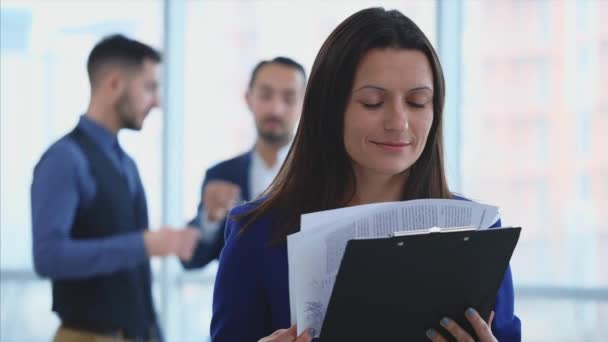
(274, 138)
(126, 113)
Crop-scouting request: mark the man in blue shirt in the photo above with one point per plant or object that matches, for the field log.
(89, 212)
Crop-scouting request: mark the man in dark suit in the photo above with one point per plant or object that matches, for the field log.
(89, 211)
(274, 96)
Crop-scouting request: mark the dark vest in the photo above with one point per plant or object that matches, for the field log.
(120, 300)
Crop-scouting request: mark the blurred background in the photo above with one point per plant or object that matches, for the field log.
(526, 122)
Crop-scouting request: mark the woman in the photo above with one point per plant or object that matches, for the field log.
(370, 131)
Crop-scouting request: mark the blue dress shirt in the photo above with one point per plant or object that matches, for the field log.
(64, 187)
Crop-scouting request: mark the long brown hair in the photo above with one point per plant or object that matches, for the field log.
(317, 173)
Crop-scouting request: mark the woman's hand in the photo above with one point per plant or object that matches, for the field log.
(288, 335)
(482, 329)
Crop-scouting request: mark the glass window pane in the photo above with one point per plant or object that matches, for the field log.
(578, 320)
(533, 131)
(44, 91)
(534, 141)
(23, 301)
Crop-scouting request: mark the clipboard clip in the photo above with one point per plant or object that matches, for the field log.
(432, 230)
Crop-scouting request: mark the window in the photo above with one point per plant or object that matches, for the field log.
(44, 90)
(534, 153)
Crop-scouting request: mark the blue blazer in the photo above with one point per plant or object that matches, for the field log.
(235, 170)
(251, 296)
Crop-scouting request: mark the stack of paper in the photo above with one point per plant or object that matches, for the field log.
(315, 253)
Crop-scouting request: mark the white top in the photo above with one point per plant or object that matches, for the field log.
(261, 175)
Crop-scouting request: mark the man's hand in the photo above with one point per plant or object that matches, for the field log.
(168, 241)
(189, 240)
(218, 198)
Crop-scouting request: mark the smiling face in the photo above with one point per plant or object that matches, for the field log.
(390, 111)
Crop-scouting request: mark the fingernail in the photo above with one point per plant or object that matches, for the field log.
(445, 322)
(470, 312)
(431, 333)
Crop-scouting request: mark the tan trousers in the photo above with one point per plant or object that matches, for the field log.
(72, 335)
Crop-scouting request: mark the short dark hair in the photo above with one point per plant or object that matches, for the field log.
(121, 50)
(286, 61)
(317, 173)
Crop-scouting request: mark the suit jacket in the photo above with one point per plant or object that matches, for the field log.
(235, 170)
(251, 295)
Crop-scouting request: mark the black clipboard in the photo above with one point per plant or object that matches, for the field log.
(395, 289)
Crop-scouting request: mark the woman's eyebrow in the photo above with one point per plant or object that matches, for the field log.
(421, 88)
(369, 86)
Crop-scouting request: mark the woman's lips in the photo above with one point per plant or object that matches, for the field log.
(392, 145)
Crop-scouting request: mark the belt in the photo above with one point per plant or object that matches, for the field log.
(104, 330)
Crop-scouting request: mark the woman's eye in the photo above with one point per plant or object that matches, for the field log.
(371, 105)
(416, 105)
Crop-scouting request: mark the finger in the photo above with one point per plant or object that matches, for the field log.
(207, 200)
(191, 242)
(234, 192)
(278, 332)
(211, 206)
(286, 335)
(216, 203)
(186, 253)
(211, 215)
(491, 318)
(224, 200)
(195, 232)
(217, 200)
(222, 188)
(185, 256)
(306, 336)
(188, 240)
(232, 203)
(481, 328)
(214, 211)
(209, 193)
(228, 200)
(214, 195)
(228, 192)
(455, 329)
(293, 330)
(434, 336)
(192, 232)
(172, 243)
(274, 337)
(219, 214)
